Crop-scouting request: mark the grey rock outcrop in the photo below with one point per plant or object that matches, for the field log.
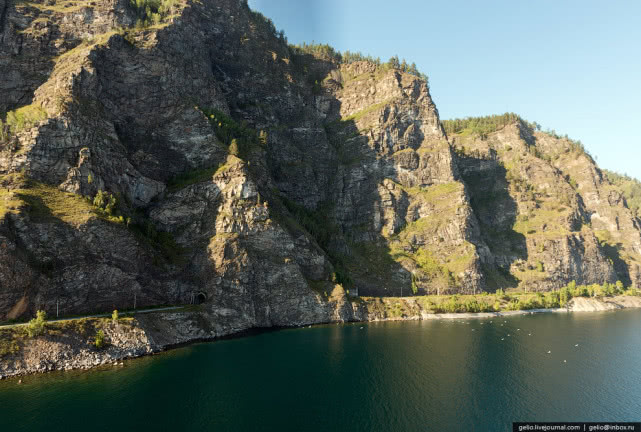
(266, 183)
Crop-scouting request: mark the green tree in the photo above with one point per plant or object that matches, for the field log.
(36, 326)
(414, 286)
(114, 316)
(99, 339)
(619, 287)
(394, 62)
(552, 300)
(564, 296)
(105, 201)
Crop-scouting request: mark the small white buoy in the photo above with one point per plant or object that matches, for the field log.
(502, 338)
(549, 352)
(576, 345)
(529, 334)
(508, 334)
(361, 328)
(565, 361)
(518, 329)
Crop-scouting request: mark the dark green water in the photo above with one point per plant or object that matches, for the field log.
(403, 376)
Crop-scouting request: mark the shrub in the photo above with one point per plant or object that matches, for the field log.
(22, 118)
(620, 289)
(114, 316)
(552, 300)
(161, 241)
(591, 291)
(452, 305)
(152, 12)
(502, 295)
(514, 305)
(239, 138)
(99, 339)
(105, 201)
(414, 286)
(472, 306)
(36, 326)
(633, 292)
(485, 307)
(582, 291)
(564, 296)
(432, 268)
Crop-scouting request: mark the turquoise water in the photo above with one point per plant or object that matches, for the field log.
(396, 376)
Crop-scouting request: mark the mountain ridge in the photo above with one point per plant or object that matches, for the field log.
(187, 152)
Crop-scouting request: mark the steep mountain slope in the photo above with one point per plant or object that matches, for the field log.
(559, 219)
(195, 157)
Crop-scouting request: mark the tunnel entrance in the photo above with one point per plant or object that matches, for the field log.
(201, 298)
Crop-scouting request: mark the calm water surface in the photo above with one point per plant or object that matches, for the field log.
(398, 376)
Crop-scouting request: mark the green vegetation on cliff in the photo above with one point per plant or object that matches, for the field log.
(20, 119)
(46, 203)
(239, 138)
(479, 125)
(485, 125)
(500, 301)
(36, 326)
(629, 187)
(327, 52)
(317, 225)
(152, 12)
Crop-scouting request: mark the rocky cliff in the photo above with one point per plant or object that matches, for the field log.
(183, 153)
(546, 211)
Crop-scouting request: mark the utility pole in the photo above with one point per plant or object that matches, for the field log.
(134, 301)
(57, 308)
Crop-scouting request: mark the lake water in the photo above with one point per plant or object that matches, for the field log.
(394, 376)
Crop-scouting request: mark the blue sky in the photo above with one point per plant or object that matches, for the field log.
(573, 66)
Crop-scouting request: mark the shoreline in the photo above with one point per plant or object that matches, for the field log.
(472, 315)
(66, 348)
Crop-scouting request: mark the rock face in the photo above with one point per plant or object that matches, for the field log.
(199, 159)
(546, 211)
